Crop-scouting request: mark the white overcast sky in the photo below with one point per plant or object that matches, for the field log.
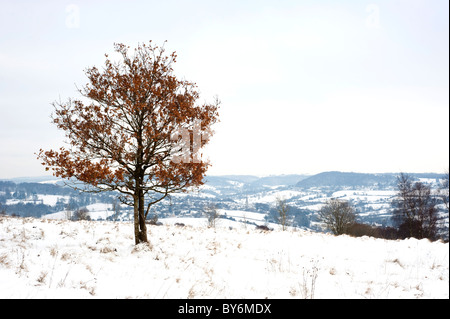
(306, 86)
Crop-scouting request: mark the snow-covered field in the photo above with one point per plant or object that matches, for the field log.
(44, 258)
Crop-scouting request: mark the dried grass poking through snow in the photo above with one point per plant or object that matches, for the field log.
(62, 259)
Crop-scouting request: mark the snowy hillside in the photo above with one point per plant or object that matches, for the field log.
(44, 258)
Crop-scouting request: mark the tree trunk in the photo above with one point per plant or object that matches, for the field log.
(140, 228)
(136, 219)
(142, 225)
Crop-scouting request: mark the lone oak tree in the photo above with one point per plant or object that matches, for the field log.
(138, 131)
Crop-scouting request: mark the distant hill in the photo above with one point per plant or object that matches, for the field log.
(229, 180)
(250, 181)
(32, 179)
(343, 179)
(330, 179)
(276, 180)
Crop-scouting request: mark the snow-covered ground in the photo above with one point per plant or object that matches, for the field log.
(243, 216)
(44, 258)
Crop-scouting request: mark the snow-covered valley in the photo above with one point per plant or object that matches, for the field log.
(243, 198)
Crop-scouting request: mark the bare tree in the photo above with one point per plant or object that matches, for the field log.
(415, 211)
(212, 214)
(338, 216)
(444, 190)
(68, 213)
(154, 220)
(82, 214)
(116, 209)
(282, 214)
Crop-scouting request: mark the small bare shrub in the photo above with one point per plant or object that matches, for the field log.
(293, 292)
(282, 217)
(142, 247)
(212, 214)
(308, 285)
(22, 266)
(106, 250)
(82, 214)
(54, 251)
(42, 276)
(337, 215)
(263, 228)
(397, 261)
(154, 220)
(191, 293)
(65, 256)
(4, 260)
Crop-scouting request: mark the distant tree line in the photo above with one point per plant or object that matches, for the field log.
(415, 213)
(284, 214)
(28, 203)
(26, 210)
